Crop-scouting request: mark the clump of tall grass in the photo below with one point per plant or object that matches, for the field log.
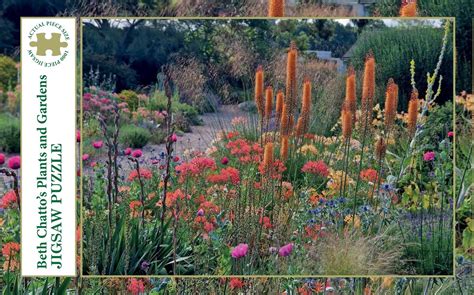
(353, 254)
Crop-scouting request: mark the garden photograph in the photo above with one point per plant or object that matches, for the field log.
(267, 147)
(256, 113)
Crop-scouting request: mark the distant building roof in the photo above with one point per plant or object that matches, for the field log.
(349, 53)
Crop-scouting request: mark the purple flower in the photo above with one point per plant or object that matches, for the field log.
(200, 212)
(272, 250)
(145, 266)
(286, 250)
(85, 157)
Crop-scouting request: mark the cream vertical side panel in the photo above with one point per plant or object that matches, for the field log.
(48, 124)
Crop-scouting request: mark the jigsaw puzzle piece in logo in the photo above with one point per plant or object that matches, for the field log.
(42, 44)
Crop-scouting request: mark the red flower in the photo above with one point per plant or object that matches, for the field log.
(208, 227)
(274, 170)
(266, 222)
(369, 174)
(229, 174)
(8, 200)
(10, 249)
(316, 167)
(78, 136)
(203, 163)
(127, 152)
(2, 159)
(136, 286)
(236, 283)
(224, 161)
(144, 173)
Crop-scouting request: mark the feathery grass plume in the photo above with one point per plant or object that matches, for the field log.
(291, 92)
(408, 8)
(303, 120)
(284, 148)
(276, 8)
(412, 112)
(380, 148)
(351, 92)
(259, 91)
(346, 118)
(279, 103)
(390, 104)
(268, 155)
(268, 102)
(285, 121)
(368, 90)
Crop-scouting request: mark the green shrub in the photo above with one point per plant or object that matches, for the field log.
(393, 49)
(327, 106)
(134, 136)
(462, 10)
(158, 136)
(159, 102)
(9, 134)
(130, 97)
(7, 73)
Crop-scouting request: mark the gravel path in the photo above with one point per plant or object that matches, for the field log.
(199, 140)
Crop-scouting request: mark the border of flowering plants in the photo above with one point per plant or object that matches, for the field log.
(269, 197)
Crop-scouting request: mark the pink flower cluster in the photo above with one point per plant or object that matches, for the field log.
(13, 163)
(239, 251)
(429, 156)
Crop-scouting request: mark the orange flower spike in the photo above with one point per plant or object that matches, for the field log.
(284, 148)
(390, 104)
(268, 155)
(351, 92)
(279, 103)
(346, 118)
(268, 102)
(412, 112)
(285, 120)
(368, 87)
(408, 8)
(368, 90)
(276, 8)
(291, 78)
(259, 91)
(303, 120)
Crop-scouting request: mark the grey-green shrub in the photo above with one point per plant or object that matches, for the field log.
(134, 136)
(9, 133)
